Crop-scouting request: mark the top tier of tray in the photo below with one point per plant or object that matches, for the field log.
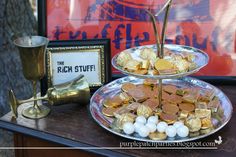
(200, 60)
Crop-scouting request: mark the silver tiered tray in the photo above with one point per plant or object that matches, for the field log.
(114, 88)
(201, 60)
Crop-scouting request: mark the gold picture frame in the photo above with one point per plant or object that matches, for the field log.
(65, 60)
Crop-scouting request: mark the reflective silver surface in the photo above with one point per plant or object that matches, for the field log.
(201, 60)
(114, 87)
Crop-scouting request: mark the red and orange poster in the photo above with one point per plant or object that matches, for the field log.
(209, 25)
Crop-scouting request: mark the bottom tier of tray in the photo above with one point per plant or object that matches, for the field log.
(219, 116)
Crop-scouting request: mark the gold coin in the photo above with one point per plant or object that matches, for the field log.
(162, 64)
(170, 109)
(168, 118)
(165, 102)
(171, 89)
(165, 96)
(152, 103)
(173, 98)
(112, 102)
(193, 123)
(138, 94)
(187, 107)
(157, 136)
(127, 86)
(108, 111)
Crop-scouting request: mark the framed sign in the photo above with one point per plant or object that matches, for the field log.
(203, 24)
(67, 59)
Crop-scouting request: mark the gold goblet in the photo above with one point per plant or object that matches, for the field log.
(32, 54)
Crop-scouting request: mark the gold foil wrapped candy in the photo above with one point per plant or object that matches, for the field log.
(192, 96)
(206, 131)
(123, 58)
(148, 54)
(145, 64)
(203, 113)
(125, 97)
(144, 110)
(206, 123)
(132, 65)
(214, 104)
(193, 123)
(126, 117)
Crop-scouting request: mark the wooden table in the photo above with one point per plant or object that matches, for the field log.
(71, 125)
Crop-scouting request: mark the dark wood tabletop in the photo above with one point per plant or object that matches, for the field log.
(72, 125)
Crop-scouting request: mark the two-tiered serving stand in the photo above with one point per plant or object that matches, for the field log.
(113, 88)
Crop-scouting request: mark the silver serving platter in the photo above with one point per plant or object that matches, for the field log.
(200, 60)
(114, 87)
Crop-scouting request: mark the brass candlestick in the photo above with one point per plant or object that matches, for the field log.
(32, 54)
(76, 91)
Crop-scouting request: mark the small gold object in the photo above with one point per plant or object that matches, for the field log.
(145, 64)
(109, 111)
(193, 123)
(206, 131)
(127, 86)
(152, 103)
(187, 107)
(214, 104)
(168, 118)
(123, 118)
(132, 65)
(162, 64)
(123, 58)
(183, 115)
(112, 102)
(171, 89)
(192, 96)
(125, 97)
(76, 91)
(203, 113)
(137, 95)
(206, 123)
(144, 110)
(170, 109)
(157, 136)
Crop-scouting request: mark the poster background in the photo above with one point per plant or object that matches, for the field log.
(205, 24)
